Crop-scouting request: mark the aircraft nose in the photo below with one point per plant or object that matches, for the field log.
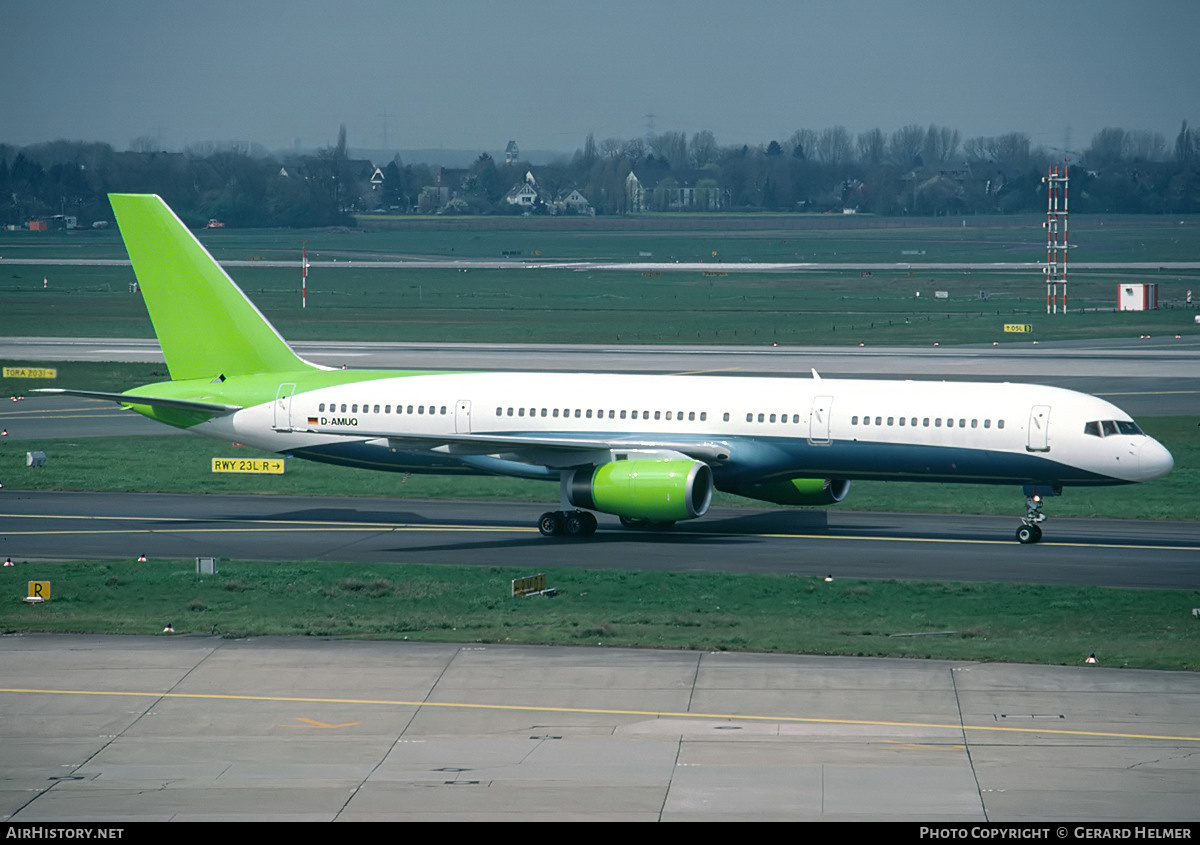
(1154, 461)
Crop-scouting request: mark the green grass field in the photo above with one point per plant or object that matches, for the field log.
(670, 237)
(832, 307)
(1151, 629)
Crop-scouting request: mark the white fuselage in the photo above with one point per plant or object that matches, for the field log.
(834, 428)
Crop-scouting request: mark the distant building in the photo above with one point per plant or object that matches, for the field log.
(694, 190)
(511, 153)
(1140, 296)
(523, 194)
(572, 203)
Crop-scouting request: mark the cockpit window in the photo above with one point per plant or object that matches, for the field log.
(1107, 428)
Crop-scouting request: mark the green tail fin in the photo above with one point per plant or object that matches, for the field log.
(205, 324)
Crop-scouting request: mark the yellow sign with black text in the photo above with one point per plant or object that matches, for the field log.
(270, 466)
(30, 372)
(1018, 327)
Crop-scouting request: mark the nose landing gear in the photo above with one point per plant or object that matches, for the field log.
(1030, 530)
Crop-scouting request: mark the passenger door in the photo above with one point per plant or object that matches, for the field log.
(283, 407)
(1039, 429)
(818, 421)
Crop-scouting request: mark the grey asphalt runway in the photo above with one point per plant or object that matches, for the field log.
(845, 544)
(1164, 356)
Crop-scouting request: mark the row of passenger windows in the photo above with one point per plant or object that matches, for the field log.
(691, 416)
(564, 413)
(613, 414)
(387, 409)
(924, 422)
(1095, 428)
(769, 417)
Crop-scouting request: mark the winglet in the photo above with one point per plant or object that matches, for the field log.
(204, 322)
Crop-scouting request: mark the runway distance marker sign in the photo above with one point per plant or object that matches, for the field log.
(30, 372)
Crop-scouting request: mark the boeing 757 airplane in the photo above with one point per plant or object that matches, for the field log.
(648, 449)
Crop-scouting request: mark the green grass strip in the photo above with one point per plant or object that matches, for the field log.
(1151, 629)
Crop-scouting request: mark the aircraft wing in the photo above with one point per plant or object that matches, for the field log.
(545, 450)
(562, 451)
(150, 401)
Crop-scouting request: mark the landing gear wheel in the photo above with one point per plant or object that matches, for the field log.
(550, 524)
(1028, 534)
(567, 523)
(575, 525)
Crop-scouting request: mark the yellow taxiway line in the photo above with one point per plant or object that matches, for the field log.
(658, 714)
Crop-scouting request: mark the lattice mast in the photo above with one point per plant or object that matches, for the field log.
(1056, 236)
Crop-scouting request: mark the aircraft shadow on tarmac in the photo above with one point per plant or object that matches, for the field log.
(599, 540)
(727, 531)
(336, 515)
(768, 522)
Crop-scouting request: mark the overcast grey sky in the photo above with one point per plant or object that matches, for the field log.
(472, 74)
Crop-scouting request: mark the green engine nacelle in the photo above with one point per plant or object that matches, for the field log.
(797, 491)
(660, 491)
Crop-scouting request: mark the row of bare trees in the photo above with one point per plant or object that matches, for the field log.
(917, 170)
(912, 170)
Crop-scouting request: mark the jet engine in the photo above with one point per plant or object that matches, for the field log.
(661, 491)
(797, 491)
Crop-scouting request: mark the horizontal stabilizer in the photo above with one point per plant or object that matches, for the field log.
(151, 401)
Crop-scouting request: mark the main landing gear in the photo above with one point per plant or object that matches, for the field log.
(567, 524)
(1030, 531)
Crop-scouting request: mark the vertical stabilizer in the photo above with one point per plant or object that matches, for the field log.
(205, 324)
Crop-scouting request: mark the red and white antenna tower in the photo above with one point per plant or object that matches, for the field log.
(1056, 236)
